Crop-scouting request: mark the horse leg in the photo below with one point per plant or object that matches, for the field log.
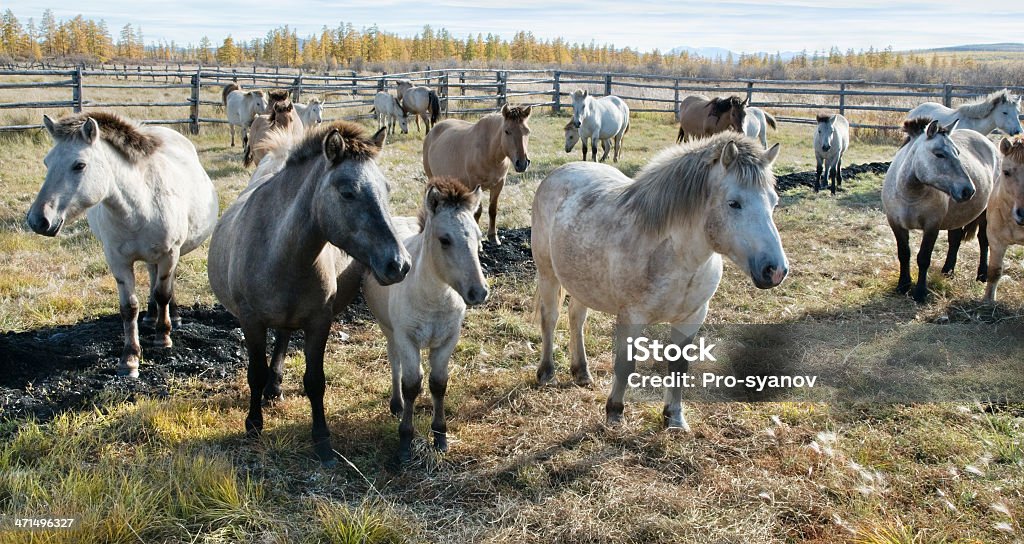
(577, 351)
(618, 146)
(955, 237)
(492, 212)
(924, 260)
(624, 366)
(150, 316)
(315, 384)
(163, 292)
(983, 247)
(232, 128)
(395, 362)
(412, 384)
(763, 135)
(549, 302)
(995, 270)
(593, 149)
(438, 382)
(830, 176)
(256, 347)
(583, 143)
(272, 391)
(682, 335)
(839, 171)
(903, 254)
(124, 273)
(817, 176)
(605, 148)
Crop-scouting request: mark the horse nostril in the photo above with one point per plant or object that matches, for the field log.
(966, 193)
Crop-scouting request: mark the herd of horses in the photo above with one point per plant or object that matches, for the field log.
(314, 224)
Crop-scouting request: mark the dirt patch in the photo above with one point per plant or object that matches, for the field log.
(796, 179)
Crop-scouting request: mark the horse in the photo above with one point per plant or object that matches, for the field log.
(311, 113)
(940, 179)
(290, 252)
(700, 117)
(480, 153)
(387, 109)
(999, 110)
(147, 198)
(425, 310)
(419, 101)
(831, 140)
(649, 250)
(1005, 214)
(242, 107)
(282, 118)
(756, 123)
(593, 119)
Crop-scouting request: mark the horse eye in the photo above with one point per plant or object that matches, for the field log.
(1006, 173)
(508, 132)
(348, 195)
(446, 242)
(734, 205)
(940, 155)
(78, 166)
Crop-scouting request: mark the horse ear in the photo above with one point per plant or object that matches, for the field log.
(379, 137)
(952, 126)
(528, 110)
(475, 197)
(1005, 146)
(772, 153)
(729, 153)
(932, 129)
(586, 93)
(746, 102)
(504, 111)
(334, 146)
(432, 200)
(91, 131)
(49, 124)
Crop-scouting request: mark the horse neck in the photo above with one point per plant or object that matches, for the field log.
(496, 153)
(298, 235)
(130, 197)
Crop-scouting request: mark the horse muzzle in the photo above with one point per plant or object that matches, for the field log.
(1018, 215)
(41, 225)
(476, 295)
(962, 193)
(521, 165)
(826, 147)
(768, 273)
(394, 270)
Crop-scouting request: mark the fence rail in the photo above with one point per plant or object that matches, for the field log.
(462, 91)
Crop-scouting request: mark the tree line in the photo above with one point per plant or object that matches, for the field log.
(344, 46)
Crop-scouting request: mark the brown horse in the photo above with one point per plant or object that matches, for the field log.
(290, 253)
(700, 117)
(479, 154)
(282, 118)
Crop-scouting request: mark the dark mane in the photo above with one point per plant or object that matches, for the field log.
(916, 127)
(516, 114)
(824, 117)
(453, 193)
(277, 95)
(722, 105)
(123, 135)
(358, 145)
(1016, 151)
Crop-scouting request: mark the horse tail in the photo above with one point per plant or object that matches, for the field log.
(771, 120)
(228, 89)
(679, 138)
(247, 154)
(973, 227)
(435, 107)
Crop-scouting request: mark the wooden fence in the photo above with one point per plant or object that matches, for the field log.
(462, 92)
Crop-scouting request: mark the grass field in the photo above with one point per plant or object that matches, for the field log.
(527, 464)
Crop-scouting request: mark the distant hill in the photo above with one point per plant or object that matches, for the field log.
(723, 53)
(1008, 47)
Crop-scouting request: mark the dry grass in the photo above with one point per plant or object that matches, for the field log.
(527, 464)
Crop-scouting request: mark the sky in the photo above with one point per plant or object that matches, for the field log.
(785, 25)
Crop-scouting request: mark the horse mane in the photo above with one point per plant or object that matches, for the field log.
(281, 109)
(721, 105)
(452, 193)
(516, 114)
(358, 145)
(228, 89)
(916, 127)
(125, 136)
(675, 185)
(1016, 151)
(277, 95)
(984, 107)
(827, 118)
(570, 125)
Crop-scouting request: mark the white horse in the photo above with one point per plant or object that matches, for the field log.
(388, 110)
(831, 140)
(242, 107)
(605, 119)
(649, 250)
(999, 110)
(146, 196)
(425, 310)
(756, 123)
(1005, 213)
(940, 179)
(311, 113)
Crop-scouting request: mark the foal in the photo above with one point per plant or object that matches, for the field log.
(426, 309)
(1005, 210)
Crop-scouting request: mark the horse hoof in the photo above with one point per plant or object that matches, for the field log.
(253, 427)
(494, 240)
(129, 366)
(545, 375)
(128, 372)
(164, 341)
(613, 419)
(441, 442)
(948, 272)
(920, 298)
(325, 453)
(175, 323)
(583, 380)
(676, 422)
(903, 289)
(396, 406)
(405, 455)
(982, 276)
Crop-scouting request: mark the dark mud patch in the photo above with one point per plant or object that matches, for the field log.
(791, 181)
(512, 258)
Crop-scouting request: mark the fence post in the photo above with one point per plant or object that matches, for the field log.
(355, 91)
(297, 88)
(677, 105)
(253, 74)
(76, 89)
(947, 95)
(842, 99)
(502, 88)
(556, 90)
(444, 91)
(607, 84)
(380, 84)
(193, 125)
(750, 92)
(462, 83)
